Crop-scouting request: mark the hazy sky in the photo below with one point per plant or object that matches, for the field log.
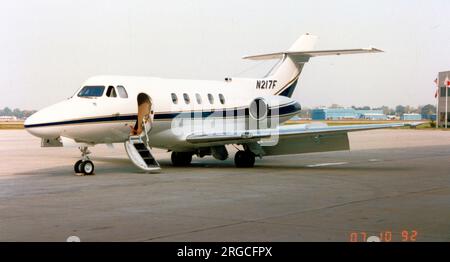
(49, 47)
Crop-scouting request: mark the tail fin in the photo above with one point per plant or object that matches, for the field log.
(288, 70)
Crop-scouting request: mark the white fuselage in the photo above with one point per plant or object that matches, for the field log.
(194, 117)
(96, 120)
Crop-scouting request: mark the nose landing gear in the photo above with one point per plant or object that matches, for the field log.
(85, 166)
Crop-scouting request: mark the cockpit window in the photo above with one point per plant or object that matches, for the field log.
(122, 92)
(92, 91)
(111, 92)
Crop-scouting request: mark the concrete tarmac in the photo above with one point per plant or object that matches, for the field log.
(393, 182)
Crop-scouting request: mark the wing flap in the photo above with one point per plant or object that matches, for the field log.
(311, 143)
(227, 138)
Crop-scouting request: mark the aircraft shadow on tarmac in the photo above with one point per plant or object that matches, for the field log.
(118, 165)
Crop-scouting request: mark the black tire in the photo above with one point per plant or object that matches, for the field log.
(77, 167)
(181, 158)
(87, 167)
(244, 159)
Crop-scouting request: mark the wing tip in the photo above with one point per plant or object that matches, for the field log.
(374, 49)
(414, 124)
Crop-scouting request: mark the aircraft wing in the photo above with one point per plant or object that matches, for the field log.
(291, 139)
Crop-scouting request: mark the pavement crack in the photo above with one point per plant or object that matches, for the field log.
(354, 202)
(195, 230)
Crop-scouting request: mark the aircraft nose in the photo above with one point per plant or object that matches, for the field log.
(30, 121)
(38, 124)
(33, 125)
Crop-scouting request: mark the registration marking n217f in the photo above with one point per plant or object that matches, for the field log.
(266, 84)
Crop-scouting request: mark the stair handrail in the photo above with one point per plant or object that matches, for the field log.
(146, 131)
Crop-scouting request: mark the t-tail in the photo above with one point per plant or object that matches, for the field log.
(282, 79)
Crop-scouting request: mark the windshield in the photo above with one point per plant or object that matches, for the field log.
(92, 91)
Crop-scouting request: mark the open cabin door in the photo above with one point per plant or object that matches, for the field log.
(137, 146)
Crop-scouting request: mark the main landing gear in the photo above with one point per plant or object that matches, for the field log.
(244, 159)
(85, 165)
(181, 158)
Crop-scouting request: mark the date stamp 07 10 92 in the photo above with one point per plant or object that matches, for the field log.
(385, 236)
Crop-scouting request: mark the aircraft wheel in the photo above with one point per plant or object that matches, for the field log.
(244, 159)
(181, 158)
(87, 167)
(77, 166)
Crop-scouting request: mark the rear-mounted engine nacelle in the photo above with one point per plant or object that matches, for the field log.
(259, 109)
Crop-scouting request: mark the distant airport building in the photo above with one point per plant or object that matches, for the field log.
(333, 113)
(429, 117)
(8, 118)
(347, 113)
(371, 114)
(411, 117)
(443, 98)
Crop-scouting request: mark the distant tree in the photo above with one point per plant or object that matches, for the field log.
(400, 110)
(415, 110)
(28, 113)
(7, 111)
(428, 110)
(386, 110)
(410, 109)
(17, 113)
(335, 106)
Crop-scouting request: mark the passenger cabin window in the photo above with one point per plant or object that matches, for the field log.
(199, 98)
(211, 99)
(92, 91)
(111, 92)
(174, 98)
(222, 99)
(187, 100)
(122, 92)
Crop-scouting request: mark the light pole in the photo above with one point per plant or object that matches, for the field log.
(447, 85)
(436, 81)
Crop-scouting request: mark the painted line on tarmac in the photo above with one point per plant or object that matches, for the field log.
(328, 164)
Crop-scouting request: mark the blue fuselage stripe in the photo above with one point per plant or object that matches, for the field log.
(283, 110)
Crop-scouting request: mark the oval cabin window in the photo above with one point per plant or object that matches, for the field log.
(174, 98)
(199, 98)
(211, 99)
(222, 99)
(187, 100)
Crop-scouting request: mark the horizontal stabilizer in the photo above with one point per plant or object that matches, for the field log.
(308, 54)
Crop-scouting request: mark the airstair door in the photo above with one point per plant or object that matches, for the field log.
(139, 153)
(138, 145)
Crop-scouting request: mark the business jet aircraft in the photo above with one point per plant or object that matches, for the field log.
(189, 117)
